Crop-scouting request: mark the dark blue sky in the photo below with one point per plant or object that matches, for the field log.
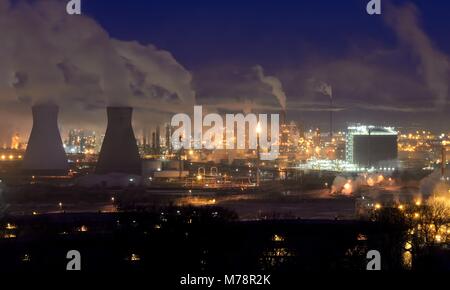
(295, 41)
(268, 32)
(164, 56)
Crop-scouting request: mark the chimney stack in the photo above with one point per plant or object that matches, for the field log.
(119, 153)
(443, 161)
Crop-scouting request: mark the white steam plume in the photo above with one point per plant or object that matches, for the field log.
(434, 65)
(47, 54)
(325, 89)
(274, 83)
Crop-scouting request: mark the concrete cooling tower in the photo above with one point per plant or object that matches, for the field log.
(119, 153)
(45, 152)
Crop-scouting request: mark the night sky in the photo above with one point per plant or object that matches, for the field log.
(271, 33)
(389, 70)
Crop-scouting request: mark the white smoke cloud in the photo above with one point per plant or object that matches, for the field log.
(274, 83)
(433, 184)
(228, 87)
(325, 89)
(350, 185)
(434, 65)
(49, 55)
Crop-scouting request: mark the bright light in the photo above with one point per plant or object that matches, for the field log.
(258, 128)
(377, 206)
(277, 238)
(82, 229)
(438, 238)
(10, 226)
(135, 257)
(199, 177)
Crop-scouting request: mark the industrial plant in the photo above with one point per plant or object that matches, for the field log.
(215, 143)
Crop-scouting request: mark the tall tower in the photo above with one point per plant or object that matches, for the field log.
(443, 161)
(153, 142)
(119, 153)
(45, 152)
(284, 132)
(158, 140)
(168, 138)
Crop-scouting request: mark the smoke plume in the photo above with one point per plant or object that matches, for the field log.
(435, 185)
(325, 89)
(49, 55)
(434, 65)
(275, 84)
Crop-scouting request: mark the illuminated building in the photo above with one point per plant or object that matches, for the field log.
(81, 142)
(290, 136)
(371, 146)
(15, 142)
(168, 138)
(420, 148)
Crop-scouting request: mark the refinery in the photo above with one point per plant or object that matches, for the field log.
(351, 175)
(311, 164)
(209, 143)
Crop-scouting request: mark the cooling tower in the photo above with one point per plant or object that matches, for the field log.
(119, 153)
(45, 152)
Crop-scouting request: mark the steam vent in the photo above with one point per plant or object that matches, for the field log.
(45, 152)
(119, 153)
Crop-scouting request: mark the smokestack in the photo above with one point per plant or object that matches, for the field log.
(157, 139)
(119, 153)
(283, 117)
(45, 152)
(331, 119)
(443, 161)
(144, 138)
(284, 135)
(168, 143)
(154, 142)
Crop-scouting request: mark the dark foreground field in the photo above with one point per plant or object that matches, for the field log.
(179, 240)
